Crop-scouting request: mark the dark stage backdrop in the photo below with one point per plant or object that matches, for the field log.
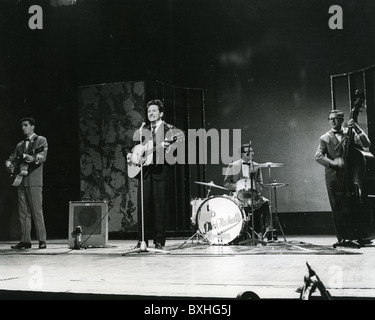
(265, 67)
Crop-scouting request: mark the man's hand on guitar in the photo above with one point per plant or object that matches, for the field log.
(134, 158)
(129, 157)
(338, 162)
(29, 159)
(165, 144)
(10, 166)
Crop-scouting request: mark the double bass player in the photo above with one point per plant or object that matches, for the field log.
(330, 154)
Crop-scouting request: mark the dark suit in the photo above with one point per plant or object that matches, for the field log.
(30, 191)
(329, 149)
(156, 191)
(233, 174)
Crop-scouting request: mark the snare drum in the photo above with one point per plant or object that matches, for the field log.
(246, 194)
(220, 219)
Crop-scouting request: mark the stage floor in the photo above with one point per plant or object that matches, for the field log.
(189, 270)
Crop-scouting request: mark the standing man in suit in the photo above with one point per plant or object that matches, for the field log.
(244, 168)
(30, 198)
(156, 179)
(330, 154)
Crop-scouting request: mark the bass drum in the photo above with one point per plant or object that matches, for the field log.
(220, 219)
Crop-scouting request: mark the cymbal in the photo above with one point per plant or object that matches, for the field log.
(275, 185)
(210, 184)
(270, 165)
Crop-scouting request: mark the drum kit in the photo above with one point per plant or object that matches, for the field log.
(220, 219)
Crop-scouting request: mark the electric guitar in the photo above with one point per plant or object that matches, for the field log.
(21, 168)
(142, 154)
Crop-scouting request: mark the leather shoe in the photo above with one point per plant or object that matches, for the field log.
(22, 246)
(42, 245)
(362, 242)
(158, 246)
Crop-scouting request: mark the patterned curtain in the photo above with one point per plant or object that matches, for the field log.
(108, 116)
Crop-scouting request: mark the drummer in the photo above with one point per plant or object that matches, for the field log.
(242, 169)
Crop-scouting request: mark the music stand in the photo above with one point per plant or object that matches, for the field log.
(143, 246)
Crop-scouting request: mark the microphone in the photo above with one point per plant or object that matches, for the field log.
(143, 124)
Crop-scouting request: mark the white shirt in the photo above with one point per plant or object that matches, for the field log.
(27, 142)
(339, 135)
(157, 125)
(245, 170)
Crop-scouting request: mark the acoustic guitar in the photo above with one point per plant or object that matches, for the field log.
(21, 168)
(142, 154)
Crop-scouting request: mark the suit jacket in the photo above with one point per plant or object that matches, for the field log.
(329, 149)
(34, 178)
(234, 174)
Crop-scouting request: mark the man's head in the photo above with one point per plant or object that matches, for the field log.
(246, 152)
(336, 118)
(155, 110)
(28, 125)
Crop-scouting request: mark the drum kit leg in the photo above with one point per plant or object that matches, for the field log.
(274, 185)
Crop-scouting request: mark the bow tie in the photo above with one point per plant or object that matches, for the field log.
(27, 139)
(338, 132)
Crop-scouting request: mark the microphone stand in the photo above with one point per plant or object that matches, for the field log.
(143, 246)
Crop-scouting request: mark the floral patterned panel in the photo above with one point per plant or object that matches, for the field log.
(108, 115)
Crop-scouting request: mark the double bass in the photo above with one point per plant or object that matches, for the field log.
(354, 216)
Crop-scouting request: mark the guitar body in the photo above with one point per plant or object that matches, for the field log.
(142, 154)
(140, 157)
(16, 179)
(21, 169)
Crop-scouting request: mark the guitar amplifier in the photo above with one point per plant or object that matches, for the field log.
(92, 217)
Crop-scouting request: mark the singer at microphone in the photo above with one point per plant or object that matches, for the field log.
(157, 177)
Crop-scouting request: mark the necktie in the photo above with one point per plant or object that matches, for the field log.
(246, 169)
(27, 143)
(338, 135)
(153, 129)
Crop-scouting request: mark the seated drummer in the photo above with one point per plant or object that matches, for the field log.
(242, 169)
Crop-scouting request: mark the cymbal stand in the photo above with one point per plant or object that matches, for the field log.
(143, 246)
(270, 201)
(277, 221)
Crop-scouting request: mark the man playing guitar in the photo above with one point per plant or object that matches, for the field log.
(157, 174)
(26, 164)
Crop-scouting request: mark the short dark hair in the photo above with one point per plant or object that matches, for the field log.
(246, 146)
(156, 102)
(29, 119)
(339, 113)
